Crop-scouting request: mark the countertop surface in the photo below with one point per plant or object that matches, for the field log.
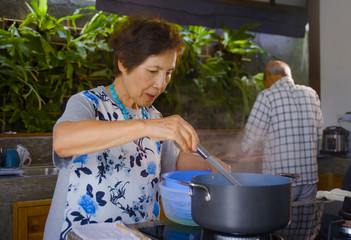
(335, 164)
(19, 188)
(33, 171)
(20, 176)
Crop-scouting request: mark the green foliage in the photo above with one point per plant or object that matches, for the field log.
(216, 91)
(43, 62)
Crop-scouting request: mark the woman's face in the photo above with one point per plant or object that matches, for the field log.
(148, 80)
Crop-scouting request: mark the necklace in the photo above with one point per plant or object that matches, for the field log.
(122, 107)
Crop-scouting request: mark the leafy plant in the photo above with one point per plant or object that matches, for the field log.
(217, 90)
(43, 61)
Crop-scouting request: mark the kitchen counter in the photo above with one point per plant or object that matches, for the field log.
(34, 187)
(17, 188)
(28, 172)
(334, 163)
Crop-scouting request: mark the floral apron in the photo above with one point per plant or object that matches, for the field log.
(118, 183)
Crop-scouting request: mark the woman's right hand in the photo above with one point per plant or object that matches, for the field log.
(173, 128)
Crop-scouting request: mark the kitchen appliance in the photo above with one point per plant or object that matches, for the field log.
(245, 209)
(173, 231)
(345, 122)
(335, 140)
(305, 224)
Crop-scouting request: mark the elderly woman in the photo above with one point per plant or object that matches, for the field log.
(111, 144)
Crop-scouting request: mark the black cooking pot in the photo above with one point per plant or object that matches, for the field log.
(262, 204)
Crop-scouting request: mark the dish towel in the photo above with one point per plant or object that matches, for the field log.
(335, 194)
(108, 231)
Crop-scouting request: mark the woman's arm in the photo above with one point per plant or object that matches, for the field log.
(81, 137)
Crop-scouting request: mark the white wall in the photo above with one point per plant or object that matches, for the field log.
(335, 44)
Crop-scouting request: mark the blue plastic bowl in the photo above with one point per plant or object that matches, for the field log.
(176, 205)
(171, 178)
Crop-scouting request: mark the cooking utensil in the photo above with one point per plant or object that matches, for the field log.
(262, 204)
(345, 122)
(205, 155)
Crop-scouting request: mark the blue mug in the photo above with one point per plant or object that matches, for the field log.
(11, 158)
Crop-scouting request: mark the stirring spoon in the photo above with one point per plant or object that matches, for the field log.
(205, 155)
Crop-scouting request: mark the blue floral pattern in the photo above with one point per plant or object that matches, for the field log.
(151, 168)
(88, 204)
(118, 183)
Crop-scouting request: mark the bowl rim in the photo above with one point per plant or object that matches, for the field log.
(165, 175)
(162, 185)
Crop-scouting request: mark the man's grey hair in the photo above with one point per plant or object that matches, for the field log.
(278, 68)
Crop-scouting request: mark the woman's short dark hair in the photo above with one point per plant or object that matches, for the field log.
(140, 37)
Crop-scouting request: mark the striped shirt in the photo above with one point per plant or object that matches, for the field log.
(287, 120)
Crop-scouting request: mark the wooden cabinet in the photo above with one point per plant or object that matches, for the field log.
(29, 219)
(329, 181)
(162, 213)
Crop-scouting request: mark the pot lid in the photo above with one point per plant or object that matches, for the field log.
(336, 129)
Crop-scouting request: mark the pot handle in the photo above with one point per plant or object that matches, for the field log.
(191, 185)
(293, 176)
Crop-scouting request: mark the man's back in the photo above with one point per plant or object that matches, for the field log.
(287, 118)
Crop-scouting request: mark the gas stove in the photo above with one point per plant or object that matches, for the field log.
(174, 231)
(305, 224)
(209, 235)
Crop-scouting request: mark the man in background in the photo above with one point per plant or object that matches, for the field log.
(287, 120)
